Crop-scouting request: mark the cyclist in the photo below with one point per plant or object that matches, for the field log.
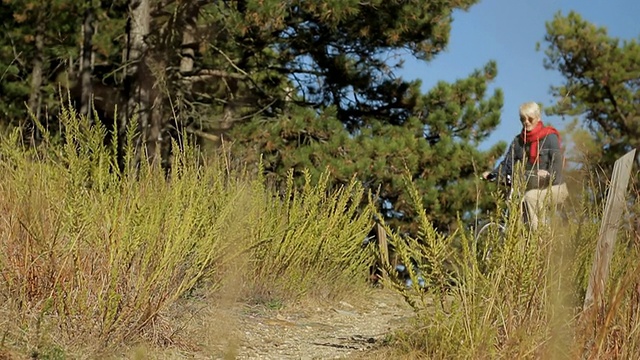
(538, 149)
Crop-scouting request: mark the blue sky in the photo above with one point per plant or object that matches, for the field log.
(507, 31)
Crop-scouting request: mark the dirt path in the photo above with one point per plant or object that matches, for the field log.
(337, 331)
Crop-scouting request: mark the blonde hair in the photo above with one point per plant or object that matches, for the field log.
(530, 110)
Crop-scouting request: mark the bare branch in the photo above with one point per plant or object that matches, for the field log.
(229, 60)
(286, 70)
(202, 134)
(207, 74)
(616, 107)
(247, 77)
(159, 8)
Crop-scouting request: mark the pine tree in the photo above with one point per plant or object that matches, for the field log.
(601, 85)
(351, 114)
(33, 48)
(305, 84)
(53, 48)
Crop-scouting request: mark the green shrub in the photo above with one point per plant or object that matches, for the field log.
(93, 254)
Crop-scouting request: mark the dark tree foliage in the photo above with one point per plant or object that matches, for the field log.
(601, 85)
(300, 84)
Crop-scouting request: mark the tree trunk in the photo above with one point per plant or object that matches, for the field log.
(86, 64)
(137, 81)
(153, 137)
(189, 43)
(35, 97)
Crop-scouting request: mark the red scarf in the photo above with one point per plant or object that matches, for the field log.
(533, 137)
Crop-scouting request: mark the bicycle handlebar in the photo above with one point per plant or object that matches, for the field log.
(531, 177)
(491, 177)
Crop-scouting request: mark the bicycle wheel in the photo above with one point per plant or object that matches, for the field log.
(488, 238)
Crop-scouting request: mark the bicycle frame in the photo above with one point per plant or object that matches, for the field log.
(510, 193)
(484, 249)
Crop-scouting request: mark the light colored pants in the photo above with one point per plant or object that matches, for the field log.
(538, 201)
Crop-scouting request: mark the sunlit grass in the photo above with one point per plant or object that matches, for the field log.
(527, 303)
(93, 256)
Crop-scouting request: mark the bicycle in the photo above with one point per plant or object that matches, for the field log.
(493, 233)
(486, 233)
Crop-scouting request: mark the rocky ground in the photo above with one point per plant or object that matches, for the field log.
(329, 331)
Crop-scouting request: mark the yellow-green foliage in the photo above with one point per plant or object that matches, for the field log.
(526, 301)
(100, 252)
(90, 253)
(312, 239)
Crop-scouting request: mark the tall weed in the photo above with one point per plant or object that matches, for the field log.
(102, 252)
(94, 254)
(526, 302)
(311, 242)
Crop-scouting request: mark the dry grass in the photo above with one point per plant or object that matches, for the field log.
(527, 303)
(102, 264)
(96, 260)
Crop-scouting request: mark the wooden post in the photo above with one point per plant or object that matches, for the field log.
(383, 245)
(609, 228)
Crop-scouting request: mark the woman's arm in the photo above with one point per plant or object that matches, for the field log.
(551, 157)
(511, 157)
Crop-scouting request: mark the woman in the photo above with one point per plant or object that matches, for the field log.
(539, 147)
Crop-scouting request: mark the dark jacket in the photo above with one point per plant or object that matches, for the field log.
(550, 158)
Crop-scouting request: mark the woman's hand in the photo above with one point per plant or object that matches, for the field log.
(543, 173)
